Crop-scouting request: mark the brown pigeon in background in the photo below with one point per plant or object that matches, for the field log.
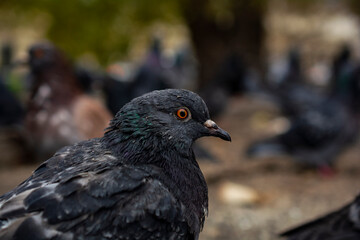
(59, 113)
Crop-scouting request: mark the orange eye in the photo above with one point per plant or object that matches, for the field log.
(182, 113)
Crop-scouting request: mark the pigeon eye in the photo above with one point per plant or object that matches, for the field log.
(182, 113)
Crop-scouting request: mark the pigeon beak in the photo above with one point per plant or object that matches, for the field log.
(214, 130)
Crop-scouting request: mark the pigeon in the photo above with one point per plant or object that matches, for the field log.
(87, 79)
(320, 125)
(289, 89)
(343, 68)
(318, 132)
(314, 139)
(59, 113)
(139, 181)
(150, 75)
(6, 61)
(343, 224)
(117, 88)
(345, 85)
(231, 79)
(11, 110)
(286, 69)
(13, 144)
(124, 81)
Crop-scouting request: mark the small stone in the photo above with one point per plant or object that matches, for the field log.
(236, 194)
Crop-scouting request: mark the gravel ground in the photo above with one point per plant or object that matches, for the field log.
(287, 195)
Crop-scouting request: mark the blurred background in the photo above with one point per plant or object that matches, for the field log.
(282, 77)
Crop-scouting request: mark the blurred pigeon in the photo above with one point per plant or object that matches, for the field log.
(289, 89)
(342, 70)
(6, 60)
(117, 88)
(286, 69)
(86, 78)
(293, 99)
(181, 69)
(124, 81)
(353, 102)
(229, 81)
(343, 224)
(11, 110)
(315, 137)
(321, 126)
(139, 181)
(150, 76)
(120, 87)
(58, 111)
(345, 85)
(13, 144)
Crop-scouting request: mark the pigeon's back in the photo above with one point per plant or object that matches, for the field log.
(92, 198)
(343, 224)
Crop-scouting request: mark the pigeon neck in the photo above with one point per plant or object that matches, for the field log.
(137, 146)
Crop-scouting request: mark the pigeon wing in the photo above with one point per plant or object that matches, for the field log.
(120, 203)
(342, 224)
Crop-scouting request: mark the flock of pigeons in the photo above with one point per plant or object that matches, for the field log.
(141, 180)
(322, 123)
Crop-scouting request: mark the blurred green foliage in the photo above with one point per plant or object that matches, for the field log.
(105, 27)
(108, 28)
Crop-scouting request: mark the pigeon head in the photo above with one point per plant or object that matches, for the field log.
(163, 120)
(43, 56)
(49, 66)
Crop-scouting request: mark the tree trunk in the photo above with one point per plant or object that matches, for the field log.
(214, 40)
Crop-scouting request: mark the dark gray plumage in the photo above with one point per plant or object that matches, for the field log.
(315, 137)
(343, 224)
(139, 181)
(320, 128)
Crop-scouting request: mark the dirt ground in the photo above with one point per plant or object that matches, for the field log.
(286, 195)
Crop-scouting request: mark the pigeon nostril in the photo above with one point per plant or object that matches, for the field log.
(211, 124)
